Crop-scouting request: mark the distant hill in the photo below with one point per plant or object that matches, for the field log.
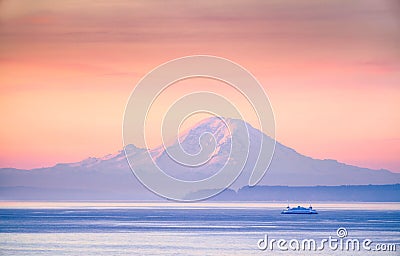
(110, 177)
(357, 193)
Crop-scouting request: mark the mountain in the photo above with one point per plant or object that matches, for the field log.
(106, 178)
(110, 177)
(287, 168)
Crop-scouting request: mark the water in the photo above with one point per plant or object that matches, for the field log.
(188, 229)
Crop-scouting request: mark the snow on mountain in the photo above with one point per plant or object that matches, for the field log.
(208, 143)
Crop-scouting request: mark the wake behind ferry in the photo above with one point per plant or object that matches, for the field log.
(299, 210)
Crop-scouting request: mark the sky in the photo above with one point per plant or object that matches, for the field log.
(331, 70)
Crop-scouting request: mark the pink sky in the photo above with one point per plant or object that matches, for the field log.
(331, 70)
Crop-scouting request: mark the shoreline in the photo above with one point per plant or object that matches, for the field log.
(199, 205)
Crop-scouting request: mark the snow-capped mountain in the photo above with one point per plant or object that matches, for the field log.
(211, 140)
(287, 167)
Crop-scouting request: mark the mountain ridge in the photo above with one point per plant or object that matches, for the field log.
(111, 174)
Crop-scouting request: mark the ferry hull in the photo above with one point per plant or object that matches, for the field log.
(292, 212)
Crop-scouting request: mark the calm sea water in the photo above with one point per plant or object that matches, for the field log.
(196, 229)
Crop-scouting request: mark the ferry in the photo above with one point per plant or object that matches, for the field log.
(299, 210)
